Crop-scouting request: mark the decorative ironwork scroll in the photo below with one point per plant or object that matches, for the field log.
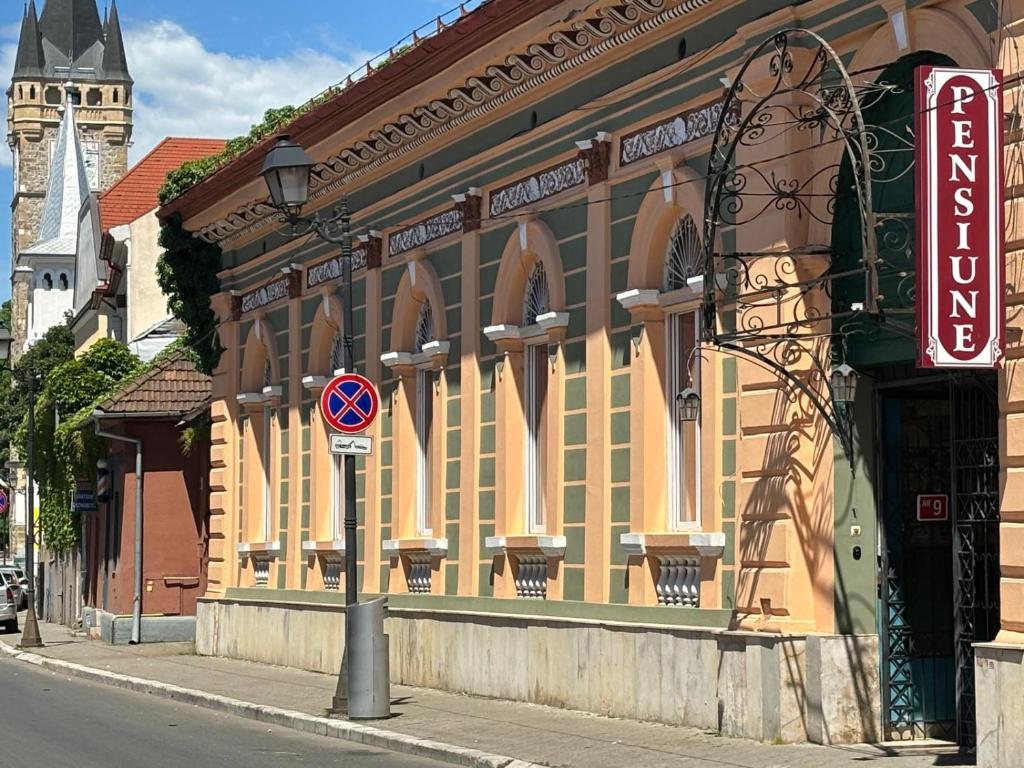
(791, 142)
(677, 130)
(539, 186)
(433, 228)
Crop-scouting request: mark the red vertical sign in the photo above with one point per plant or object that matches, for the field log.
(960, 266)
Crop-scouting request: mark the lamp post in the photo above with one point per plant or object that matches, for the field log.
(30, 634)
(286, 172)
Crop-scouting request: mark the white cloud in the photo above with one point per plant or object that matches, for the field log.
(183, 89)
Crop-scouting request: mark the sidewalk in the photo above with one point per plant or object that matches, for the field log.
(541, 735)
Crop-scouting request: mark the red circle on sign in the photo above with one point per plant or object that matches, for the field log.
(349, 403)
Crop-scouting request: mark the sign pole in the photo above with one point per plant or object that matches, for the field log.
(351, 593)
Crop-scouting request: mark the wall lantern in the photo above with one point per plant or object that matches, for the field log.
(286, 171)
(844, 385)
(688, 404)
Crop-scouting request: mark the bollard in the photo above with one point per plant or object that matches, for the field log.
(369, 673)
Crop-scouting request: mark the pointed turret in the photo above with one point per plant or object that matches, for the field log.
(115, 63)
(30, 60)
(71, 26)
(66, 190)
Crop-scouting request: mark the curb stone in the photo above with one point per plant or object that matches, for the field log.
(284, 718)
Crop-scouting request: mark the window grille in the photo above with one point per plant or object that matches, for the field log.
(536, 299)
(424, 326)
(337, 352)
(684, 256)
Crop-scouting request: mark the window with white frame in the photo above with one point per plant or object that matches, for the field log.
(266, 444)
(536, 301)
(682, 371)
(424, 421)
(337, 474)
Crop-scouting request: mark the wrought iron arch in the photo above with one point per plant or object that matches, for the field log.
(774, 305)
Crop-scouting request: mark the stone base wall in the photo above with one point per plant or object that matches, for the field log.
(999, 681)
(753, 685)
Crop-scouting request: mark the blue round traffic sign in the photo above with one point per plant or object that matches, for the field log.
(4, 501)
(349, 403)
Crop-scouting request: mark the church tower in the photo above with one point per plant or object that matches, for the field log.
(66, 53)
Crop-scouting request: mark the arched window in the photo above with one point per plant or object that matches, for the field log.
(424, 421)
(47, 281)
(62, 282)
(682, 371)
(536, 302)
(32, 92)
(266, 442)
(116, 95)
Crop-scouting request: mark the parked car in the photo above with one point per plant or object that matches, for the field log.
(16, 578)
(9, 604)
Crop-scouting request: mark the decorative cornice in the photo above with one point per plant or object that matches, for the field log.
(537, 187)
(674, 132)
(426, 231)
(564, 49)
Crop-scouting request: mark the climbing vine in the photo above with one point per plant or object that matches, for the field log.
(187, 274)
(63, 449)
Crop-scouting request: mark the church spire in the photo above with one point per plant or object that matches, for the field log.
(66, 190)
(29, 61)
(115, 64)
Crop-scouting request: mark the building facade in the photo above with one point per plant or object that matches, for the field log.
(570, 217)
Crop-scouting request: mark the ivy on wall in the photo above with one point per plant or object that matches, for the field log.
(187, 274)
(68, 391)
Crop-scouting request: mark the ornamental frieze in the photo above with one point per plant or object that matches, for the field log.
(572, 44)
(283, 287)
(537, 187)
(671, 133)
(427, 231)
(330, 269)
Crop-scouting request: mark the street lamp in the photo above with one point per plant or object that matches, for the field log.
(688, 404)
(286, 171)
(30, 637)
(844, 385)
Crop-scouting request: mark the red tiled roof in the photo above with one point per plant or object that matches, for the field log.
(171, 386)
(135, 193)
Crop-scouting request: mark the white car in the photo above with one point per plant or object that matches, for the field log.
(9, 604)
(15, 577)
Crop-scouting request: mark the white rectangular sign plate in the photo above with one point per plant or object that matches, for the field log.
(354, 445)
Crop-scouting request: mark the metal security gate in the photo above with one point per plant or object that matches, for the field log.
(975, 510)
(940, 578)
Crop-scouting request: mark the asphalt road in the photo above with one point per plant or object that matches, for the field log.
(52, 721)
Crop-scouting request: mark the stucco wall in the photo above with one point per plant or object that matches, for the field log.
(147, 304)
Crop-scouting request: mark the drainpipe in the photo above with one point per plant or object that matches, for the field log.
(137, 598)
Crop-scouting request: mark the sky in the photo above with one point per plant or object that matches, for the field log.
(212, 67)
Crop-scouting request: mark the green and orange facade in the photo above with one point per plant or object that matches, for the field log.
(528, 196)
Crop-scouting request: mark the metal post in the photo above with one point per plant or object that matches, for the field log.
(30, 635)
(340, 704)
(351, 594)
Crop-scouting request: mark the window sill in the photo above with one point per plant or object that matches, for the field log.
(268, 396)
(433, 547)
(253, 548)
(710, 544)
(552, 546)
(325, 547)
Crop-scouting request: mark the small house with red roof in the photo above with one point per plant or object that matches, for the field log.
(116, 291)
